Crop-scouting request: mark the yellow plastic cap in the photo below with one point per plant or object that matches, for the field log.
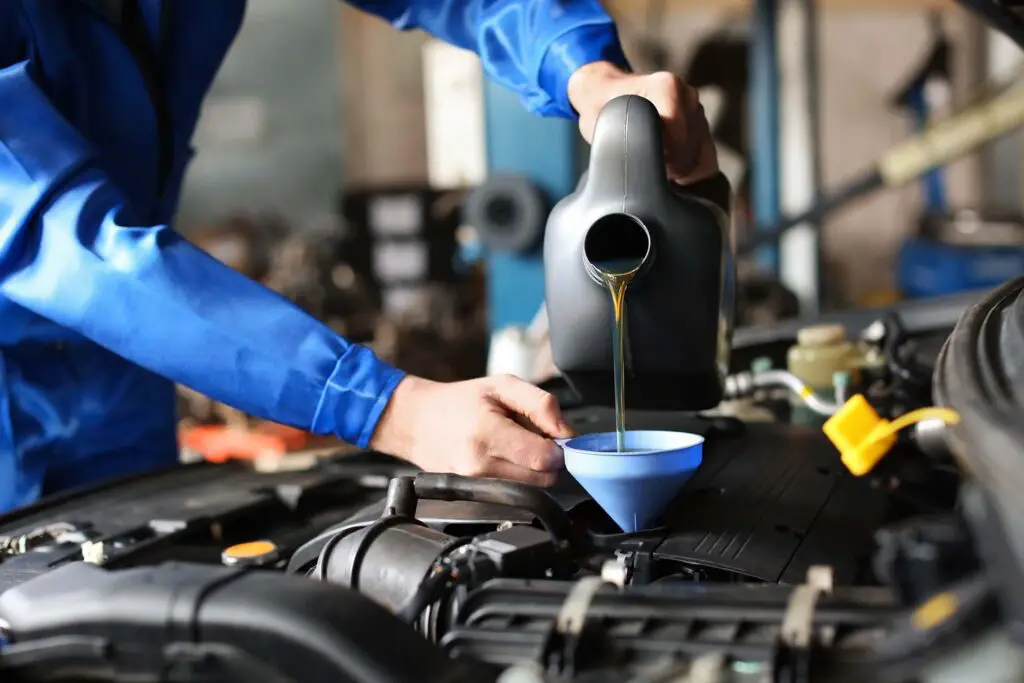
(251, 553)
(862, 437)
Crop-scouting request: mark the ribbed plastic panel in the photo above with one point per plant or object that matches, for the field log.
(507, 621)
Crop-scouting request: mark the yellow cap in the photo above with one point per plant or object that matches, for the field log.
(862, 437)
(935, 611)
(253, 552)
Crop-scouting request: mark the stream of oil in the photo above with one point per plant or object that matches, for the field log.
(617, 274)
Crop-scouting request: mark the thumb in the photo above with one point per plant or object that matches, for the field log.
(533, 403)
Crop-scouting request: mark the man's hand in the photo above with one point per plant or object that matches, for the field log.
(689, 148)
(497, 427)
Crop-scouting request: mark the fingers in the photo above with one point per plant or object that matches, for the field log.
(533, 403)
(508, 441)
(690, 152)
(503, 469)
(506, 450)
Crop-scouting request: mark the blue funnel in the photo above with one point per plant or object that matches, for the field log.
(633, 487)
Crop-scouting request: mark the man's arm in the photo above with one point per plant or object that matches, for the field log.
(529, 46)
(147, 294)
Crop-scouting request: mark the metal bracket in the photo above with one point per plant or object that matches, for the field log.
(798, 623)
(563, 640)
(573, 614)
(618, 571)
(797, 634)
(707, 668)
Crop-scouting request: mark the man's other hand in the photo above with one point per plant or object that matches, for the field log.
(500, 427)
(689, 148)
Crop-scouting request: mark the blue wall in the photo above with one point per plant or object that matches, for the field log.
(547, 152)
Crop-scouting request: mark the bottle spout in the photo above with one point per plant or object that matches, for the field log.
(616, 244)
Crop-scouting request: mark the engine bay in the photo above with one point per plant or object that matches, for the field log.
(772, 563)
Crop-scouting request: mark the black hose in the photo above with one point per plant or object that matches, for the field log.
(370, 534)
(907, 649)
(911, 380)
(998, 17)
(431, 486)
(430, 590)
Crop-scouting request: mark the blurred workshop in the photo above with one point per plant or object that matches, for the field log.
(380, 181)
(553, 409)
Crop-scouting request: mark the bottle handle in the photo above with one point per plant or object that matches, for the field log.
(626, 153)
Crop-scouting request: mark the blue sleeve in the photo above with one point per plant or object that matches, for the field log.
(149, 295)
(529, 46)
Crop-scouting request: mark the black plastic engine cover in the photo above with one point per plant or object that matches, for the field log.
(769, 501)
(508, 621)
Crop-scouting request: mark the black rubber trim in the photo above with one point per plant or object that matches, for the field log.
(989, 441)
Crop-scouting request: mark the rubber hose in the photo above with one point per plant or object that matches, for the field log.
(430, 590)
(509, 213)
(431, 486)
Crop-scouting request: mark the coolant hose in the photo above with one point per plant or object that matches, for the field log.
(745, 383)
(775, 378)
(432, 486)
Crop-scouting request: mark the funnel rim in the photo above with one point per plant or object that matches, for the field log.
(687, 440)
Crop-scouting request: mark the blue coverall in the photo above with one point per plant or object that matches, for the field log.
(103, 305)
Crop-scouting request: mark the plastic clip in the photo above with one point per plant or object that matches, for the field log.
(562, 646)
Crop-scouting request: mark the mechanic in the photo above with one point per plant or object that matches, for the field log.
(103, 305)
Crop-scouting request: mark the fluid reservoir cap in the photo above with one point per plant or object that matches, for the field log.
(251, 554)
(821, 335)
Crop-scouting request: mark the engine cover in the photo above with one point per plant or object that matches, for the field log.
(769, 501)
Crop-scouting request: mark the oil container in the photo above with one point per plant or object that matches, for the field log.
(679, 307)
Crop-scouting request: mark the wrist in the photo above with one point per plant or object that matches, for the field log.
(394, 433)
(588, 85)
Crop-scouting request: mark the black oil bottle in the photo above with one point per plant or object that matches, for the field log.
(679, 305)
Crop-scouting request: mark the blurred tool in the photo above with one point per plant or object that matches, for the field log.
(928, 92)
(942, 143)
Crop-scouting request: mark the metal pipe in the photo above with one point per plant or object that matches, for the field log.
(746, 383)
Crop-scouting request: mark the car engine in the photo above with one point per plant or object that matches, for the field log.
(774, 563)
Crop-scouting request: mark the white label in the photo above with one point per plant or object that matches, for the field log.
(401, 261)
(396, 215)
